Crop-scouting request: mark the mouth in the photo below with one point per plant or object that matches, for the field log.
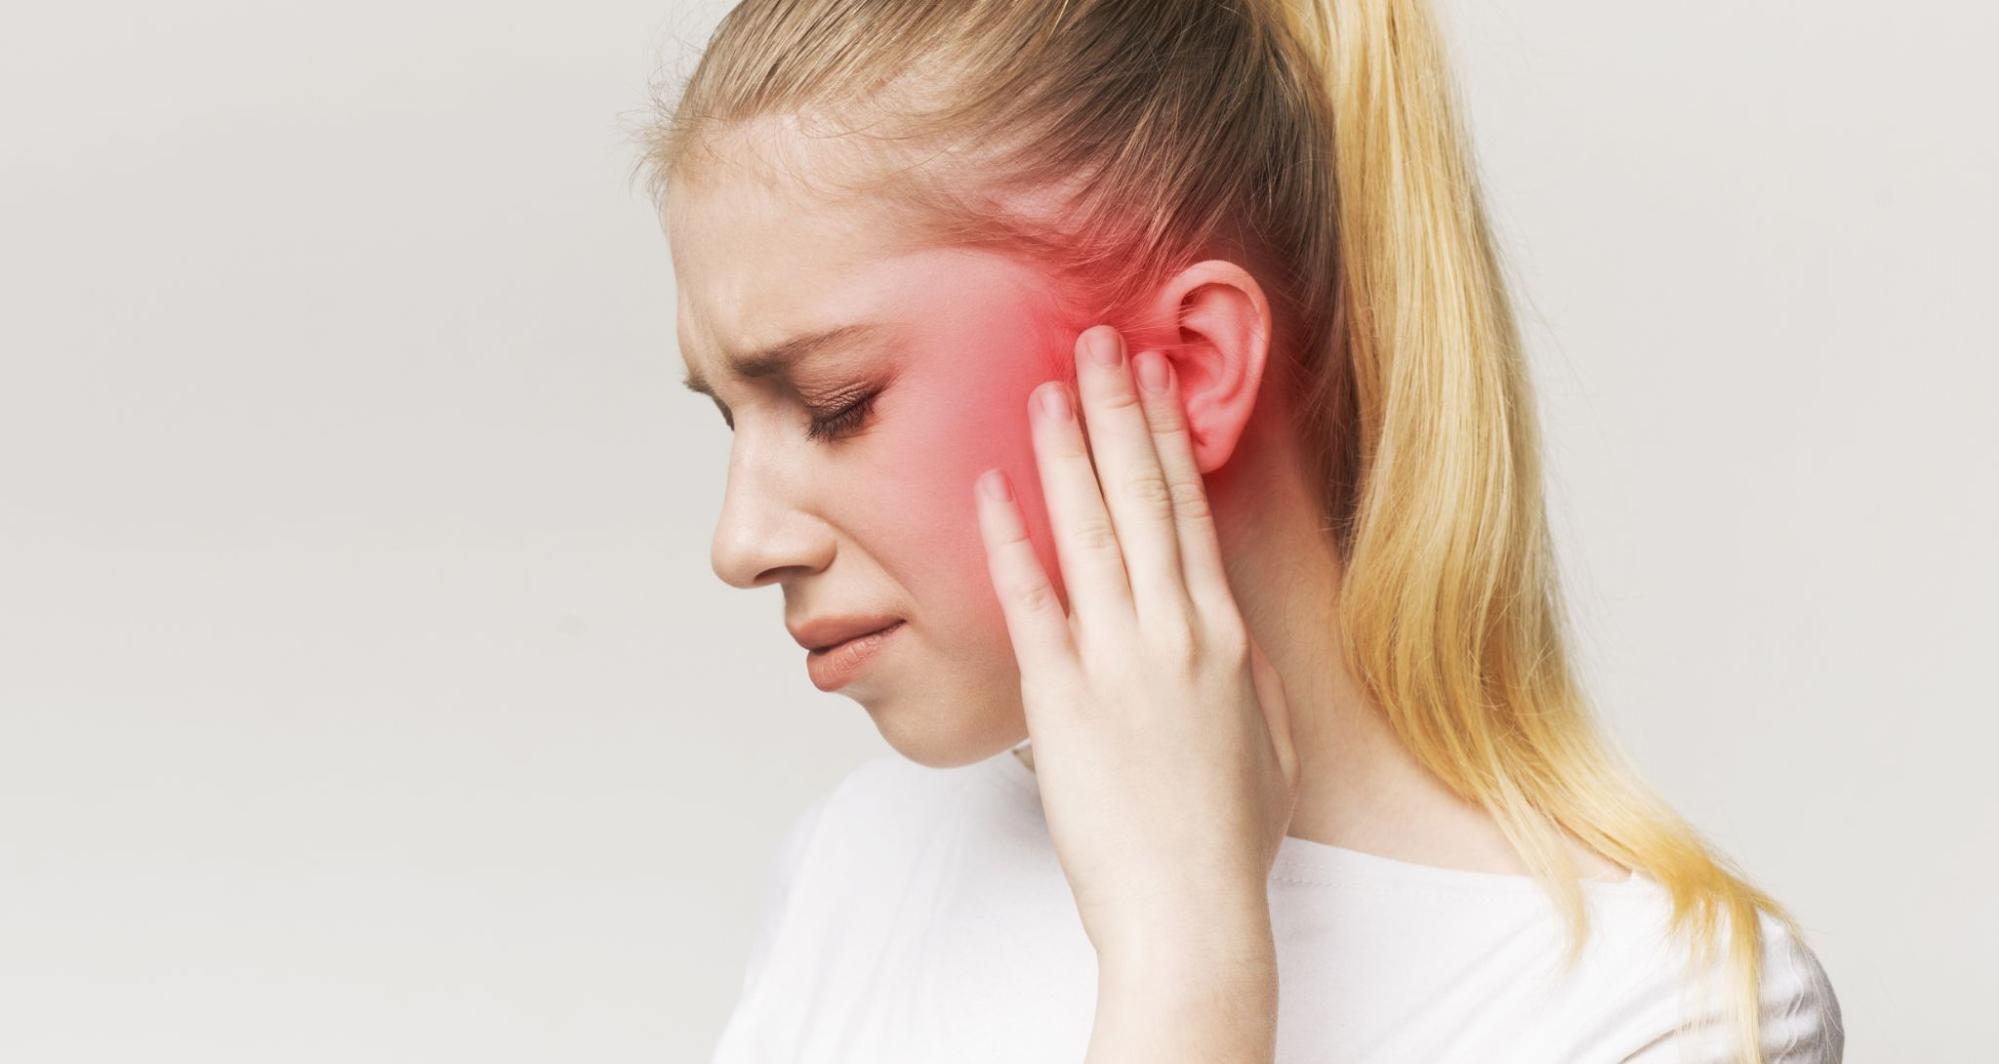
(833, 667)
(831, 647)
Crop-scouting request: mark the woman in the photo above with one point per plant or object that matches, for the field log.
(1265, 576)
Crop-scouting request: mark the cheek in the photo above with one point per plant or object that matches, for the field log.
(928, 500)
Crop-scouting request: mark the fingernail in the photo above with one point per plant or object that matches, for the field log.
(993, 483)
(1153, 373)
(1054, 402)
(1107, 348)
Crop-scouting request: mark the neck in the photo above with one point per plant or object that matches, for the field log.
(1359, 787)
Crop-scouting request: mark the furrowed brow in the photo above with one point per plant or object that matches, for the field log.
(777, 358)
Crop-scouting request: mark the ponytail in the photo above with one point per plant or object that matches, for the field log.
(1451, 608)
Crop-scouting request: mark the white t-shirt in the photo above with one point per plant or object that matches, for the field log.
(919, 916)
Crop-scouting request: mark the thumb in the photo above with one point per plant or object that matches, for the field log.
(1276, 712)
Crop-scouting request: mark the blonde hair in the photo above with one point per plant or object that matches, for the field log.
(1318, 140)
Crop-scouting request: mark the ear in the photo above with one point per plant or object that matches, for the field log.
(1214, 326)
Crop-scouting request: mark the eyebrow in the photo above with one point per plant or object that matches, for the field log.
(778, 357)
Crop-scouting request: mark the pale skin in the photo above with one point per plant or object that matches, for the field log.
(887, 519)
(1166, 769)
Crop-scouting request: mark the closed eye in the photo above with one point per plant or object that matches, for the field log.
(845, 421)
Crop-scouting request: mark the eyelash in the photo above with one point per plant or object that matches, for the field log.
(845, 421)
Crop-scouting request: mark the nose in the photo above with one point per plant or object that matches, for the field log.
(764, 529)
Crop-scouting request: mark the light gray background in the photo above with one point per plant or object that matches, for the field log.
(364, 690)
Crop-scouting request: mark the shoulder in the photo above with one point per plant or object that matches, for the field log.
(1801, 1018)
(868, 827)
(863, 785)
(1690, 1017)
(876, 806)
(825, 841)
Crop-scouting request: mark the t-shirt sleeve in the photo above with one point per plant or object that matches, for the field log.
(1800, 1022)
(781, 873)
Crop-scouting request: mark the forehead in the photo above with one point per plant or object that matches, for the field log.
(766, 245)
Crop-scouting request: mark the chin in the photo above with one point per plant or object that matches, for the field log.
(947, 739)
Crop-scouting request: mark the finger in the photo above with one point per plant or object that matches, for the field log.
(1086, 543)
(1200, 550)
(1133, 483)
(1035, 620)
(1276, 711)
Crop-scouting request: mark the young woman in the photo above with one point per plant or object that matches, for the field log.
(1139, 378)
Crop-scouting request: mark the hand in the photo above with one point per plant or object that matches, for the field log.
(1161, 738)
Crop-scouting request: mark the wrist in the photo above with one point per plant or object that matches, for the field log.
(1185, 937)
(1168, 1000)
(1191, 967)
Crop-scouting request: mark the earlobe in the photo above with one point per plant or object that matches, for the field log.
(1224, 324)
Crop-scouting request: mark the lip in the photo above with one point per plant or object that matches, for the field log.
(823, 633)
(833, 667)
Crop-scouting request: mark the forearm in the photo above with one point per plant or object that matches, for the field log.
(1180, 999)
